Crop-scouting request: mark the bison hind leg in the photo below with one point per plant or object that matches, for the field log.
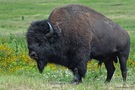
(110, 70)
(123, 57)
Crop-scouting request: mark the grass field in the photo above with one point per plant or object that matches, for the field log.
(19, 72)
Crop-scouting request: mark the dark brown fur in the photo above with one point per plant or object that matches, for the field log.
(80, 34)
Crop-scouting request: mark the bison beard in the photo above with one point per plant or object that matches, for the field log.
(75, 34)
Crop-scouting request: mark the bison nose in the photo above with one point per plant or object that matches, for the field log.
(33, 55)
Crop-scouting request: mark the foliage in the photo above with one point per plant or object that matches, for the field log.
(13, 56)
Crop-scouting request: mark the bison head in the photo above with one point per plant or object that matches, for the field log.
(38, 39)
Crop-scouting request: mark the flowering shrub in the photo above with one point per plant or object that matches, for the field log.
(10, 62)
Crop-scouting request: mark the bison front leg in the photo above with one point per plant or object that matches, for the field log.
(79, 64)
(77, 78)
(110, 70)
(79, 72)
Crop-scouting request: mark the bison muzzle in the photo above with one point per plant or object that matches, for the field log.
(75, 34)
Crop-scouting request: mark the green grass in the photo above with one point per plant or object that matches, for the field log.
(15, 17)
(12, 11)
(57, 81)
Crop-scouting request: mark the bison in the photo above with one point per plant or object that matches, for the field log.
(75, 34)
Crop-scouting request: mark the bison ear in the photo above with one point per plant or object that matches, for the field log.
(49, 34)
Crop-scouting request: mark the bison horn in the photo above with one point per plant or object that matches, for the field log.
(51, 30)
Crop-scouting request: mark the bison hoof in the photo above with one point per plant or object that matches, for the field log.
(107, 82)
(75, 82)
